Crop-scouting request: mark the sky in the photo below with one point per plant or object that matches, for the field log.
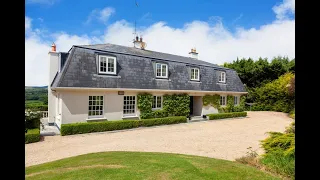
(221, 31)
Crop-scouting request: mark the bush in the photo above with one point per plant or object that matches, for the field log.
(279, 142)
(32, 120)
(81, 128)
(226, 115)
(33, 135)
(167, 120)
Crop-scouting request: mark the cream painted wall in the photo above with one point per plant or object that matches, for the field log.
(208, 110)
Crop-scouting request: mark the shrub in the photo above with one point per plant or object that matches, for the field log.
(33, 135)
(80, 128)
(226, 115)
(32, 120)
(279, 142)
(176, 104)
(167, 120)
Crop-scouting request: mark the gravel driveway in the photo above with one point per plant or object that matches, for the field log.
(223, 139)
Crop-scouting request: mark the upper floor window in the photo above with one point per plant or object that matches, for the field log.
(195, 74)
(161, 70)
(236, 100)
(223, 100)
(107, 65)
(157, 102)
(222, 77)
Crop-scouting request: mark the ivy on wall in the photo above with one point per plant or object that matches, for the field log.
(214, 100)
(173, 105)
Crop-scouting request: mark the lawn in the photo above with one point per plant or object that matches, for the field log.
(142, 165)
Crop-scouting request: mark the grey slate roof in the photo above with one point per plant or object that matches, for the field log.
(135, 70)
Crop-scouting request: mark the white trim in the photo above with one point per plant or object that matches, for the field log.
(145, 90)
(157, 108)
(225, 100)
(107, 58)
(161, 64)
(196, 79)
(224, 77)
(96, 116)
(135, 107)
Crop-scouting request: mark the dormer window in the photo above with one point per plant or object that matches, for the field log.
(222, 77)
(107, 65)
(195, 74)
(161, 70)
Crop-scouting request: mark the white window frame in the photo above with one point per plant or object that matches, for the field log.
(225, 100)
(107, 58)
(154, 108)
(223, 80)
(194, 73)
(234, 98)
(103, 104)
(161, 66)
(135, 106)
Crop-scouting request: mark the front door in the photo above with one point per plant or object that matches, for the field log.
(191, 105)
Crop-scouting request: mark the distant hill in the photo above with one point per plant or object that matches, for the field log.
(30, 87)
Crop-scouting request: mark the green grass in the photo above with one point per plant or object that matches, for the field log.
(142, 165)
(280, 164)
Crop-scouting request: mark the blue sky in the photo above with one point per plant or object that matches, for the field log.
(220, 30)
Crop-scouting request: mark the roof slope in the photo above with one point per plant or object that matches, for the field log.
(135, 69)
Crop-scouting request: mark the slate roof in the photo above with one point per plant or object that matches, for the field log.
(135, 69)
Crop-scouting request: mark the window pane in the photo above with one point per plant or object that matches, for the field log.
(158, 101)
(90, 97)
(164, 70)
(154, 102)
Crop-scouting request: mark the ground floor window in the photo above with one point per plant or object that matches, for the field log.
(157, 102)
(95, 106)
(236, 100)
(129, 105)
(223, 100)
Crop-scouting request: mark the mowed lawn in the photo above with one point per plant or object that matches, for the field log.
(143, 165)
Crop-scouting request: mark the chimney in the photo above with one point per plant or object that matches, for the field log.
(194, 53)
(53, 47)
(139, 43)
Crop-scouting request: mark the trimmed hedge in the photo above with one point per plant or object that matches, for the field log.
(33, 135)
(81, 128)
(226, 115)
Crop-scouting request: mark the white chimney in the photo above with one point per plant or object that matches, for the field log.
(194, 53)
(54, 58)
(138, 43)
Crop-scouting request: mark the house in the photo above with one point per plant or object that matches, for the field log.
(101, 81)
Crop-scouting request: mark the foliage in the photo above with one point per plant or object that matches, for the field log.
(33, 135)
(32, 120)
(230, 103)
(80, 128)
(226, 115)
(274, 96)
(37, 94)
(143, 165)
(176, 104)
(173, 105)
(213, 100)
(36, 107)
(251, 158)
(259, 72)
(292, 114)
(280, 151)
(291, 87)
(168, 120)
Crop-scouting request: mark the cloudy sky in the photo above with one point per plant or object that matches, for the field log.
(221, 31)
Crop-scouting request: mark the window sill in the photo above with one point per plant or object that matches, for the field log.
(162, 79)
(96, 119)
(107, 75)
(194, 81)
(154, 109)
(128, 117)
(223, 83)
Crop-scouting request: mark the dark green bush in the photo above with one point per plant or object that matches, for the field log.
(33, 135)
(32, 120)
(167, 120)
(81, 128)
(226, 115)
(36, 107)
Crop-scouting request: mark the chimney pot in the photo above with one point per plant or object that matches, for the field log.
(140, 39)
(53, 47)
(137, 38)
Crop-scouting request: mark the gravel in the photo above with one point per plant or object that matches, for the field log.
(223, 139)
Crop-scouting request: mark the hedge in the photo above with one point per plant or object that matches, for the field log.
(33, 135)
(226, 115)
(81, 128)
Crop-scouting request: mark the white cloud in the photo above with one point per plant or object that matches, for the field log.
(101, 15)
(284, 9)
(213, 42)
(27, 23)
(47, 2)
